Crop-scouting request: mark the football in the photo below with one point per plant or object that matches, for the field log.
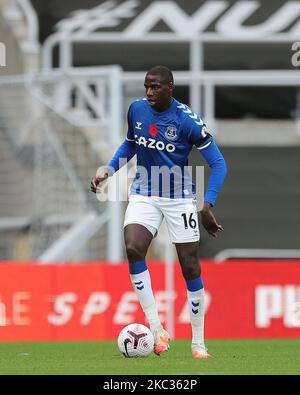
(135, 340)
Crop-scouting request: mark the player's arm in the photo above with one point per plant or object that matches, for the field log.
(213, 156)
(124, 154)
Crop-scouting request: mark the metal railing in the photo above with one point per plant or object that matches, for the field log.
(209, 80)
(23, 9)
(235, 253)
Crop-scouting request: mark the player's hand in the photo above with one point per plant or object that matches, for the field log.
(99, 179)
(209, 221)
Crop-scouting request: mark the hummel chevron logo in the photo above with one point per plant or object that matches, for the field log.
(139, 285)
(192, 114)
(195, 304)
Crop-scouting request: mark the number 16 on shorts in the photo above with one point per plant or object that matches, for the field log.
(189, 221)
(189, 226)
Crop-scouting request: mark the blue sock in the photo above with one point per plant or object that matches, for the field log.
(137, 267)
(194, 285)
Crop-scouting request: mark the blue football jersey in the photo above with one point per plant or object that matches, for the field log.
(164, 141)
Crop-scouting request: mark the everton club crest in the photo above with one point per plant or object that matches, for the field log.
(171, 133)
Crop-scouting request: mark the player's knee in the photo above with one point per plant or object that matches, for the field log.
(134, 252)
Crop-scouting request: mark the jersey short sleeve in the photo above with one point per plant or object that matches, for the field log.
(130, 123)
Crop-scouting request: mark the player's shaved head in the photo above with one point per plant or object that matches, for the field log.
(165, 74)
(159, 84)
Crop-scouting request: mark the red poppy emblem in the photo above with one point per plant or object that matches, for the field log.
(153, 130)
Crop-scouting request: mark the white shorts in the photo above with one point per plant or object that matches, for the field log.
(180, 215)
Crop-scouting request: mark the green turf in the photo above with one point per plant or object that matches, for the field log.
(228, 357)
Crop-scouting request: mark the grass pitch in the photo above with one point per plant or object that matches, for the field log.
(260, 357)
